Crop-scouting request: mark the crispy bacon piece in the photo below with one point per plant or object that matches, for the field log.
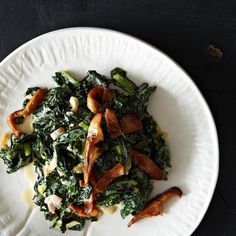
(29, 108)
(92, 153)
(95, 133)
(34, 101)
(117, 171)
(81, 211)
(147, 165)
(89, 208)
(89, 203)
(130, 122)
(112, 123)
(92, 178)
(155, 206)
(96, 97)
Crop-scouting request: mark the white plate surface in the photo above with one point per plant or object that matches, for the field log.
(177, 105)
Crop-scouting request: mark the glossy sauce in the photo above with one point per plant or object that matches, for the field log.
(26, 197)
(108, 210)
(29, 173)
(4, 140)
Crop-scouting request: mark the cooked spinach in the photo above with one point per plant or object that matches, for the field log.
(55, 157)
(19, 153)
(132, 191)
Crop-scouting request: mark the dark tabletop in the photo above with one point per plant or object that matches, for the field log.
(199, 35)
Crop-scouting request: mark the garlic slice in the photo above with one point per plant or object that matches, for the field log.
(74, 102)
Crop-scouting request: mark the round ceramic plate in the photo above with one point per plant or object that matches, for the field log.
(177, 105)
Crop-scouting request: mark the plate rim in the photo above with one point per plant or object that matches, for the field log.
(185, 77)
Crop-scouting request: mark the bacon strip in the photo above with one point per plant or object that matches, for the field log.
(34, 101)
(130, 123)
(97, 95)
(29, 108)
(92, 153)
(112, 123)
(147, 165)
(155, 206)
(95, 133)
(92, 178)
(117, 171)
(81, 211)
(89, 203)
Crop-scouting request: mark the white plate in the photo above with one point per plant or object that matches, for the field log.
(177, 105)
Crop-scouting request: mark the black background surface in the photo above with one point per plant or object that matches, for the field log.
(183, 30)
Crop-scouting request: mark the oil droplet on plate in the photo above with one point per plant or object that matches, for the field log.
(5, 140)
(27, 196)
(29, 173)
(108, 210)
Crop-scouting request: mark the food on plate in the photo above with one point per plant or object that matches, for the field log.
(155, 206)
(94, 146)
